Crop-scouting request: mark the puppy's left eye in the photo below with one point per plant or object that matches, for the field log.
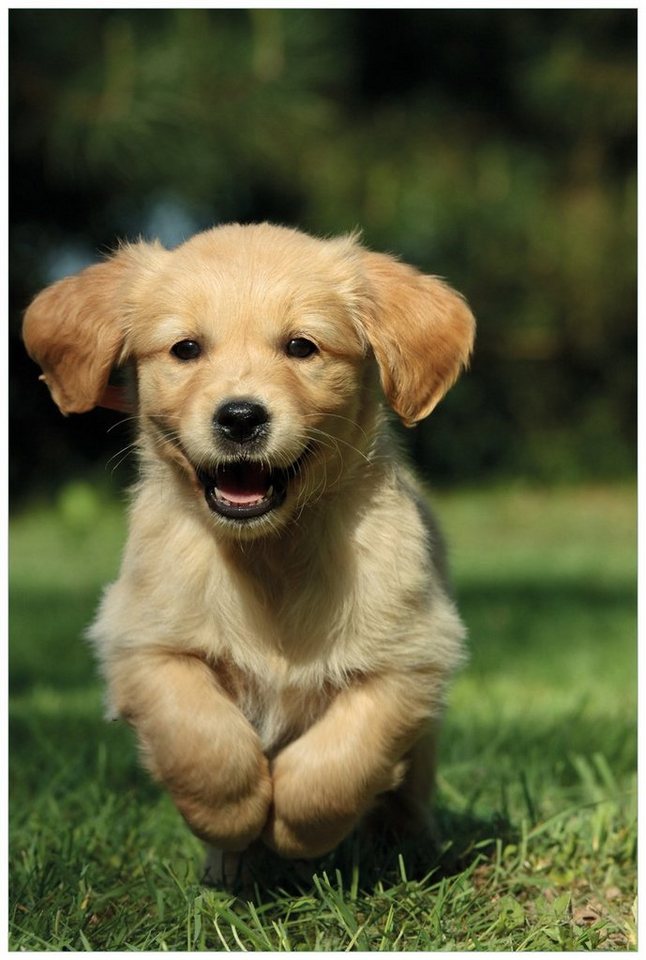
(300, 347)
(186, 350)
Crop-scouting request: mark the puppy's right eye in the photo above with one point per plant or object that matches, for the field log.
(300, 348)
(186, 350)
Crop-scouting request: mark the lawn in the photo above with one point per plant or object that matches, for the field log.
(537, 786)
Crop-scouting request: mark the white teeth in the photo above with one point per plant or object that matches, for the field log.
(270, 491)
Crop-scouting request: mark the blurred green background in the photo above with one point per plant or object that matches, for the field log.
(496, 148)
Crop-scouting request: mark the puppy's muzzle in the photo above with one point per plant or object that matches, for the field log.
(243, 485)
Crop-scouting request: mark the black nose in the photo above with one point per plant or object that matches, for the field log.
(241, 420)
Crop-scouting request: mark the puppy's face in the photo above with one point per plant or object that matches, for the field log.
(257, 349)
(251, 371)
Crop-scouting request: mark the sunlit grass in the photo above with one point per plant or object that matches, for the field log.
(536, 799)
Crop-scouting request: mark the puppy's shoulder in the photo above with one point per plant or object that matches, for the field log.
(410, 487)
(402, 523)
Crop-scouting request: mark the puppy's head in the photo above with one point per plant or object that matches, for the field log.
(254, 348)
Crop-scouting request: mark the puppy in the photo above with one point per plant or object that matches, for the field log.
(281, 633)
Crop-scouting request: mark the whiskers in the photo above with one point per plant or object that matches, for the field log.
(338, 416)
(328, 439)
(122, 454)
(335, 451)
(120, 423)
(318, 482)
(135, 445)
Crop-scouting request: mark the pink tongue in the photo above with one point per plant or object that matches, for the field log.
(243, 483)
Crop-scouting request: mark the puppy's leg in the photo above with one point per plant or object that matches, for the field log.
(328, 778)
(404, 815)
(409, 806)
(195, 740)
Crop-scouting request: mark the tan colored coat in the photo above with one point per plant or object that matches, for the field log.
(281, 671)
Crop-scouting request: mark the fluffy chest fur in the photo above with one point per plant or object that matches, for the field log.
(287, 626)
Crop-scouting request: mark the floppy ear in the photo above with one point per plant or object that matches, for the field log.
(421, 332)
(75, 329)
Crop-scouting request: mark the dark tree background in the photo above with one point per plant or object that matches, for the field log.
(495, 148)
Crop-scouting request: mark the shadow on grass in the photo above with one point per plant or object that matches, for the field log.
(545, 593)
(47, 626)
(368, 859)
(62, 752)
(530, 619)
(462, 840)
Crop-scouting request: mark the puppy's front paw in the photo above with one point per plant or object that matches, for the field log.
(229, 818)
(305, 837)
(316, 803)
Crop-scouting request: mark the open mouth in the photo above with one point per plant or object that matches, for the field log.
(243, 489)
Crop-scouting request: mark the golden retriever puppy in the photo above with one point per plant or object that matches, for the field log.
(281, 634)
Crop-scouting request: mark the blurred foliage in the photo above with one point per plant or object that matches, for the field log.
(496, 148)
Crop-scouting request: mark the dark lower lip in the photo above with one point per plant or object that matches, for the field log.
(280, 478)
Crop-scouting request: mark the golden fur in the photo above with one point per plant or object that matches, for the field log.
(281, 673)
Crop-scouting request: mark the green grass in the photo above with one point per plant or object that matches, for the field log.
(536, 797)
